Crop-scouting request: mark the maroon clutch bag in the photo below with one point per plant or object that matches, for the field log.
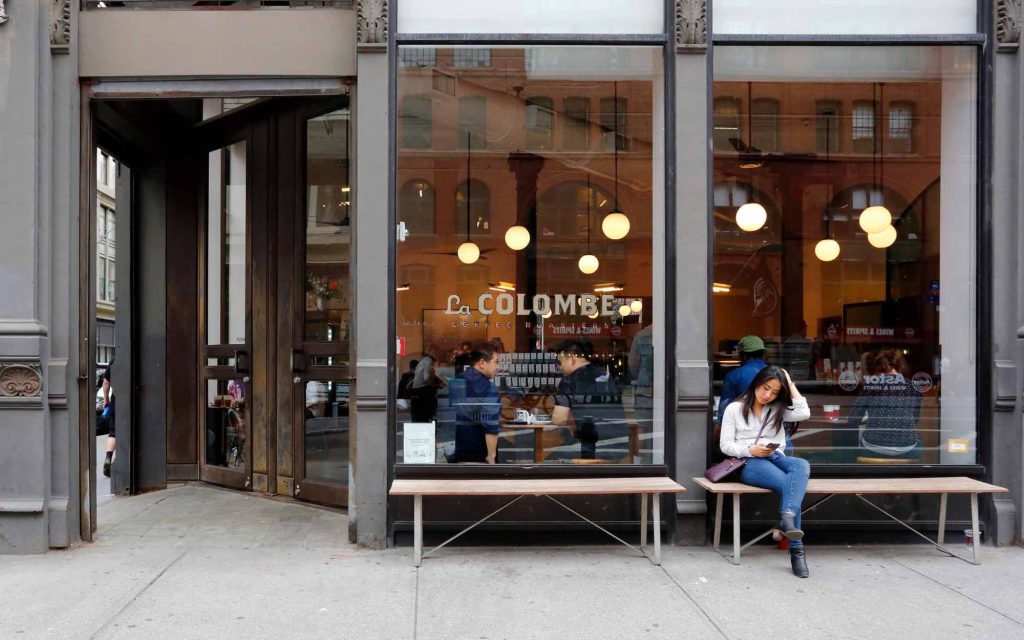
(724, 469)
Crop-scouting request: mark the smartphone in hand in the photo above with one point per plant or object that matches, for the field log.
(772, 445)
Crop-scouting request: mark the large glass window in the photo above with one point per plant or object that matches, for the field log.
(544, 264)
(871, 310)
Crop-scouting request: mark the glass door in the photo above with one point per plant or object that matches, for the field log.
(322, 357)
(225, 425)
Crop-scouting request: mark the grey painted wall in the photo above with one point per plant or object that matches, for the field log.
(368, 498)
(1007, 300)
(38, 266)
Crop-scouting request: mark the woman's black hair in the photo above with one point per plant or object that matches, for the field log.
(783, 400)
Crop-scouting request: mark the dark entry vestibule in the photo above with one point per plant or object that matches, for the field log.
(235, 295)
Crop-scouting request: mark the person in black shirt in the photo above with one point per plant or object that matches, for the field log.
(587, 399)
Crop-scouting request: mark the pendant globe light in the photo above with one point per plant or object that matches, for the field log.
(615, 225)
(827, 250)
(468, 251)
(875, 218)
(884, 238)
(588, 262)
(752, 215)
(517, 237)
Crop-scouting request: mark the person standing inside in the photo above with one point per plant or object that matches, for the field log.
(751, 350)
(752, 429)
(108, 412)
(425, 384)
(586, 397)
(478, 408)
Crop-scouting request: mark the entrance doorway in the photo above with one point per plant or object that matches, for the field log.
(236, 290)
(275, 287)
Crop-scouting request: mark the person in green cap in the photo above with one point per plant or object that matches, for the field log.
(751, 349)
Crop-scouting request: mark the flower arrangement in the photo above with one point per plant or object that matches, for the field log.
(321, 287)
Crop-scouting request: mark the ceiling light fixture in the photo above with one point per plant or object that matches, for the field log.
(616, 225)
(876, 218)
(607, 287)
(588, 263)
(468, 251)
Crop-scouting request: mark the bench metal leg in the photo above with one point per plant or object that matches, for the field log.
(719, 499)
(657, 527)
(417, 534)
(975, 531)
(736, 528)
(942, 520)
(643, 520)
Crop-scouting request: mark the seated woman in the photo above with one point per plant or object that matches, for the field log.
(889, 408)
(752, 429)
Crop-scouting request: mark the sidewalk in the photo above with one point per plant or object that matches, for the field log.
(200, 562)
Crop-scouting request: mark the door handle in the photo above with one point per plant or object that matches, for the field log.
(299, 363)
(241, 362)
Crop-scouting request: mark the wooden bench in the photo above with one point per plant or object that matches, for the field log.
(859, 487)
(647, 488)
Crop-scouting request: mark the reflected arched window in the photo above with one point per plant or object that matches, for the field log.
(416, 207)
(726, 124)
(540, 123)
(764, 133)
(478, 196)
(416, 122)
(562, 212)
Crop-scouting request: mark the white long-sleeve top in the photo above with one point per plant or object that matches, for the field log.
(739, 434)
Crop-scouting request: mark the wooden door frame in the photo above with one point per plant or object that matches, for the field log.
(306, 489)
(212, 138)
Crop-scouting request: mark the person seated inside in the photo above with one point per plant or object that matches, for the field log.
(751, 351)
(477, 408)
(587, 398)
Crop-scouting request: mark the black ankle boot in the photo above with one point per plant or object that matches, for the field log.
(787, 524)
(798, 559)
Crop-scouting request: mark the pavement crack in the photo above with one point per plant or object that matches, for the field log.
(958, 592)
(141, 591)
(690, 597)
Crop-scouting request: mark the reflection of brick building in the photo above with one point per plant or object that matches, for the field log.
(813, 154)
(560, 134)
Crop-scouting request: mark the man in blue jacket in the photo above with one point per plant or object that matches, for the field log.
(477, 408)
(751, 349)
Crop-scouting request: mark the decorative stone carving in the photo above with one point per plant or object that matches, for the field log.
(60, 26)
(20, 380)
(372, 21)
(1008, 23)
(692, 24)
(3, 12)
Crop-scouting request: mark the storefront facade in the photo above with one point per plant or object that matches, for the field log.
(617, 194)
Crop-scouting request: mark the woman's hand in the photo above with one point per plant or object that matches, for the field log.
(759, 451)
(793, 391)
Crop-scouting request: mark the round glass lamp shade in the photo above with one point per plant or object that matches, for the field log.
(589, 263)
(884, 238)
(517, 237)
(624, 310)
(469, 252)
(594, 315)
(875, 219)
(827, 250)
(615, 225)
(637, 306)
(751, 216)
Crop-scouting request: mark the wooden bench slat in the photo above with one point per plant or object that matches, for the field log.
(868, 485)
(535, 486)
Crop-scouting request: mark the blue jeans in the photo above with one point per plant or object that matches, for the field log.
(785, 476)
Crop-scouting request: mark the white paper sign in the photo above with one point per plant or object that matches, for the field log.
(419, 443)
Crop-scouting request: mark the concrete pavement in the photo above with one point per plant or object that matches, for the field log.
(200, 562)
